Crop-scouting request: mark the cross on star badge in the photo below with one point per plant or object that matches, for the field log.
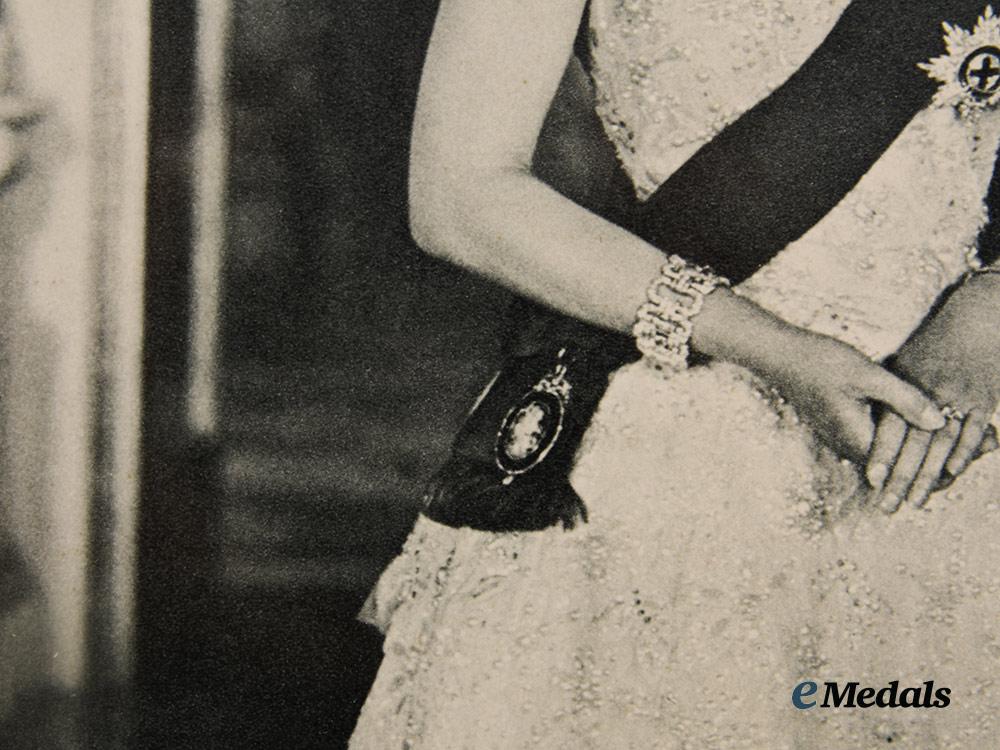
(969, 71)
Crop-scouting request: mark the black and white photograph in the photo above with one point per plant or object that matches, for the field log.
(499, 374)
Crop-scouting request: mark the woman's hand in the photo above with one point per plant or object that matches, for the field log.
(955, 357)
(831, 385)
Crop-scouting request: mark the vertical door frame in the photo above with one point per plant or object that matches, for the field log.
(178, 525)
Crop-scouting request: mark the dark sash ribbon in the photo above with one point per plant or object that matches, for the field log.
(760, 184)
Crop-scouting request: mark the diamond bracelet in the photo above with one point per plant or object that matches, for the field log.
(663, 322)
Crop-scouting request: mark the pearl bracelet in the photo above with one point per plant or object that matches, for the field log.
(663, 323)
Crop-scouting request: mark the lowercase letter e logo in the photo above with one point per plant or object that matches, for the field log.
(801, 691)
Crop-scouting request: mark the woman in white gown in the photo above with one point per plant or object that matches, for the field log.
(729, 555)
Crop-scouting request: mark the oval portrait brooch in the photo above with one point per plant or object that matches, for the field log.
(532, 426)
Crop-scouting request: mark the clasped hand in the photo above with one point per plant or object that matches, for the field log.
(954, 357)
(910, 449)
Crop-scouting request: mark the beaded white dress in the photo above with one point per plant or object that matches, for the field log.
(728, 557)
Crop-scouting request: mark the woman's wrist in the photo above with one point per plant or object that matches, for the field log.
(974, 306)
(980, 288)
(734, 329)
(987, 277)
(664, 322)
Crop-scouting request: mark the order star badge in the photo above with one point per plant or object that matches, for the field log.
(969, 71)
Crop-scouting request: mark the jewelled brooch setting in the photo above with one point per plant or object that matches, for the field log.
(969, 71)
(531, 427)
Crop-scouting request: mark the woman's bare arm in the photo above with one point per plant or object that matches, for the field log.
(489, 78)
(490, 74)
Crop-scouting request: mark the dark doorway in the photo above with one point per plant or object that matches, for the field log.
(346, 359)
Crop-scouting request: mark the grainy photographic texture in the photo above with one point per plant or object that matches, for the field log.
(285, 280)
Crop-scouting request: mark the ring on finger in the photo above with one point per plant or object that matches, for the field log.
(950, 413)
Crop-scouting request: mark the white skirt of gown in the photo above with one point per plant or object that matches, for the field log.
(727, 558)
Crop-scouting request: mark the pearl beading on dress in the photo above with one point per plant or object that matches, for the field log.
(642, 48)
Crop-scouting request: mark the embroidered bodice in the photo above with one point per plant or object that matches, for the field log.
(672, 74)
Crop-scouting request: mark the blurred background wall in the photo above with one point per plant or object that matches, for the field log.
(224, 386)
(340, 340)
(73, 146)
(343, 360)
